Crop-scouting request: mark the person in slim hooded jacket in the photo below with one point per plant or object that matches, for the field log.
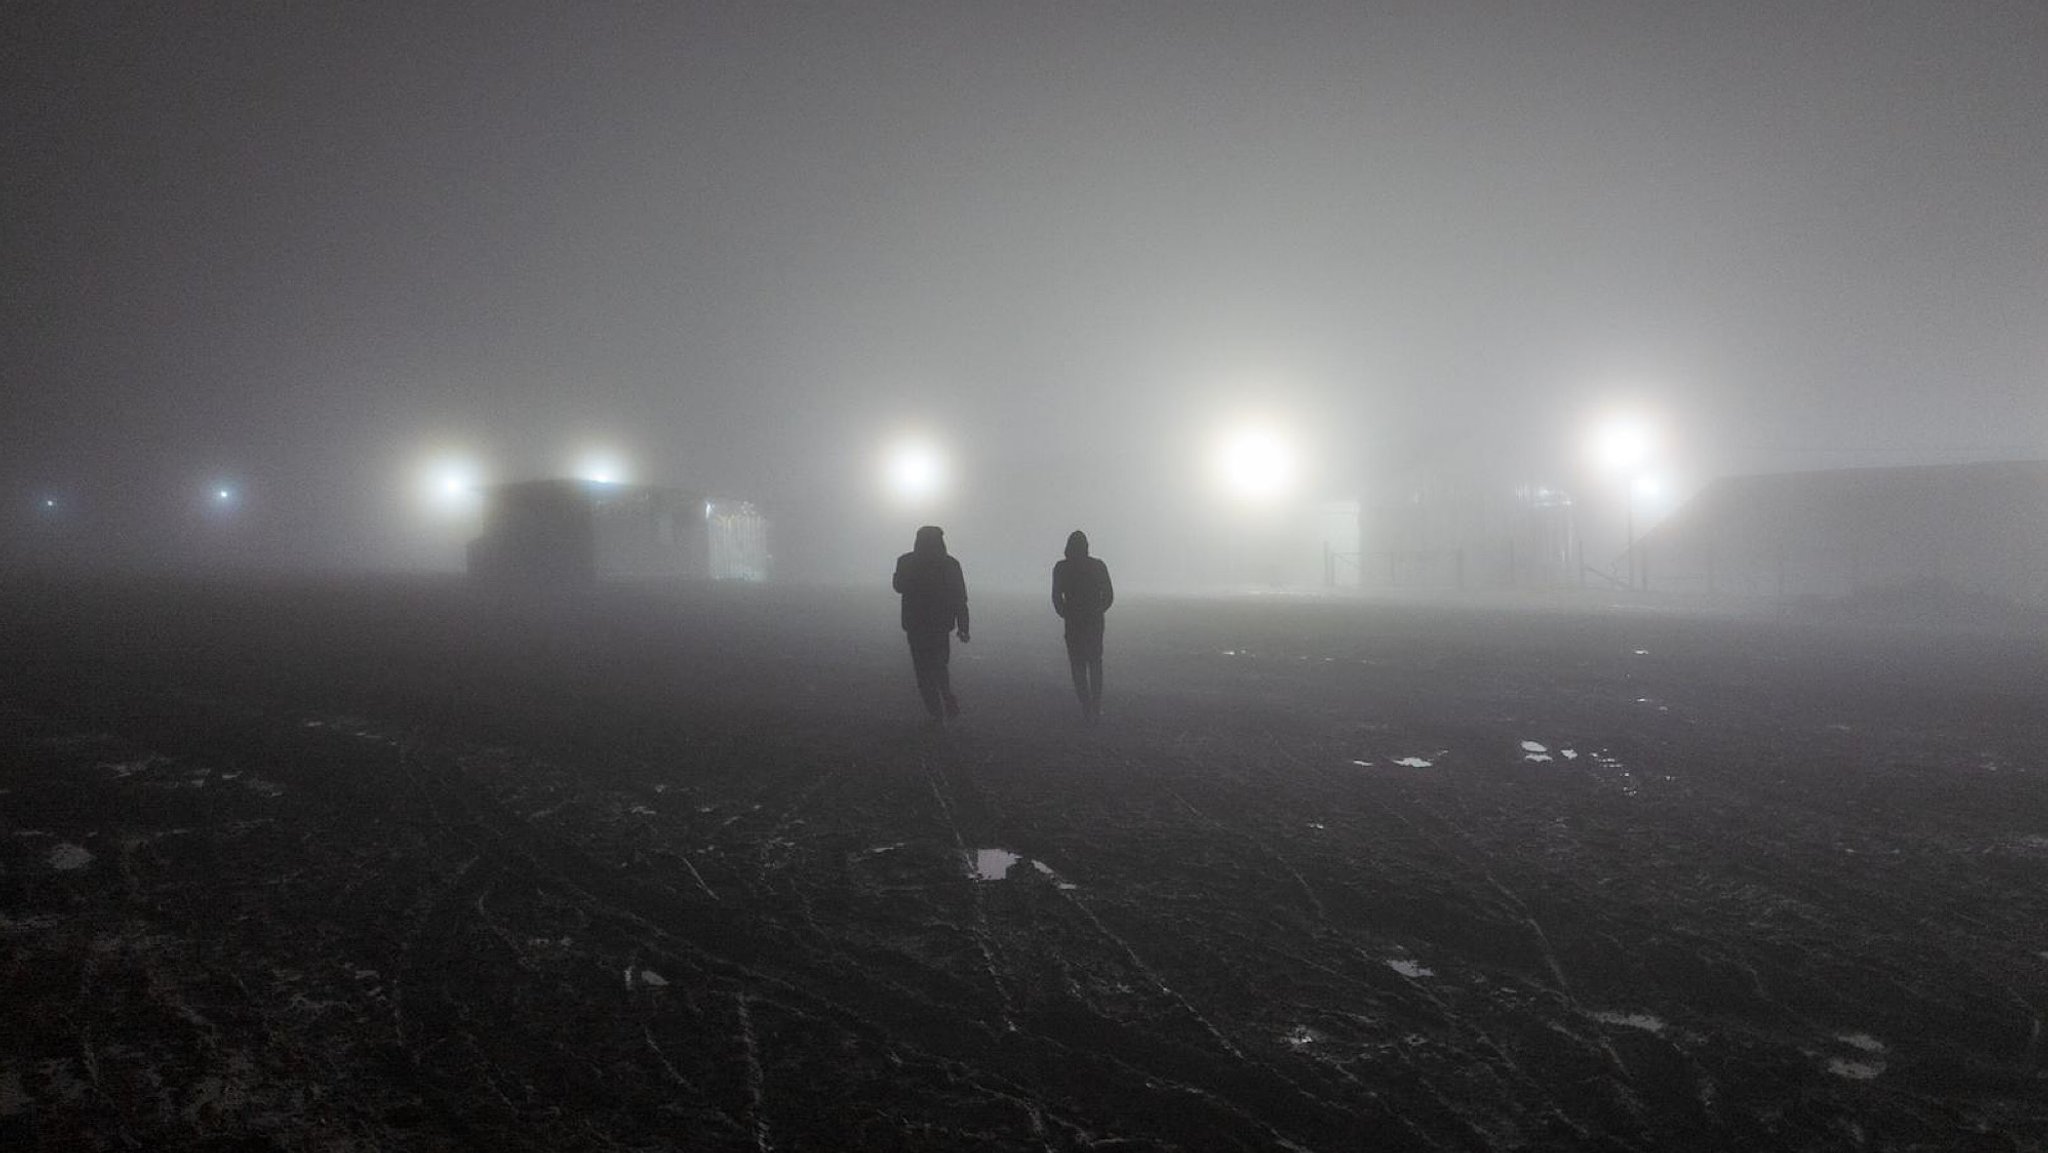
(1081, 595)
(934, 604)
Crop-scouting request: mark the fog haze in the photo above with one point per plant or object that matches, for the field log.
(298, 249)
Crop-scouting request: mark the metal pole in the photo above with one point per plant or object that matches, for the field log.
(1630, 504)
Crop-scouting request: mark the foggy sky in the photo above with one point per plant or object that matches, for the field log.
(297, 245)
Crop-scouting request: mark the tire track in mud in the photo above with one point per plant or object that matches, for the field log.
(1250, 1091)
(738, 961)
(1474, 857)
(1190, 861)
(983, 939)
(794, 990)
(1252, 1080)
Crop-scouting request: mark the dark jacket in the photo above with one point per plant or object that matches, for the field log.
(934, 590)
(1081, 592)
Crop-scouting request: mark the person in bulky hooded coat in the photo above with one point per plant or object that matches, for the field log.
(934, 604)
(1081, 594)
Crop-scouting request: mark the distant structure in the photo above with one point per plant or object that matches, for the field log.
(569, 532)
(1456, 532)
(1979, 528)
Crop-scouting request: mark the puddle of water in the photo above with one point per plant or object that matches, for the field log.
(1568, 754)
(648, 977)
(1315, 824)
(1863, 1041)
(1415, 763)
(641, 811)
(69, 856)
(1538, 757)
(1410, 969)
(1535, 747)
(1642, 652)
(1301, 1035)
(1363, 764)
(1855, 1070)
(1643, 1021)
(990, 864)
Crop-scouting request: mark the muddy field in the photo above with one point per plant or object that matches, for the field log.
(388, 865)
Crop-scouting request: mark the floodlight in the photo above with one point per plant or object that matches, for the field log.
(1623, 442)
(1253, 462)
(915, 471)
(601, 467)
(451, 484)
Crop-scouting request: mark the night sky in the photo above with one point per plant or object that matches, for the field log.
(299, 248)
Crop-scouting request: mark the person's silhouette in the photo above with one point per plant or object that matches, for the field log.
(934, 604)
(1081, 594)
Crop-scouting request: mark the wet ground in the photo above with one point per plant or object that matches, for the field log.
(388, 865)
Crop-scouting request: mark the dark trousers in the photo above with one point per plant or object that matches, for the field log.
(930, 653)
(1084, 658)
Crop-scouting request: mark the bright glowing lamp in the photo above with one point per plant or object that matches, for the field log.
(1623, 443)
(451, 485)
(601, 468)
(1254, 463)
(915, 471)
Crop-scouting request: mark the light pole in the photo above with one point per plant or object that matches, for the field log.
(1255, 470)
(1622, 444)
(1629, 502)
